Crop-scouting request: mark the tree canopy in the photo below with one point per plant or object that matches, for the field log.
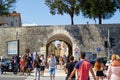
(70, 7)
(6, 6)
(117, 4)
(93, 9)
(98, 9)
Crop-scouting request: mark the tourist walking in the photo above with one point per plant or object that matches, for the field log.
(69, 68)
(37, 66)
(82, 69)
(99, 68)
(22, 64)
(113, 72)
(52, 66)
(28, 63)
(42, 65)
(48, 58)
(61, 62)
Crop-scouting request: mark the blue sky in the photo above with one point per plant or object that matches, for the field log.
(35, 11)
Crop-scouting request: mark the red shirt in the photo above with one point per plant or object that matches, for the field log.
(83, 70)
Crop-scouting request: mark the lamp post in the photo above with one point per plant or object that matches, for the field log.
(108, 39)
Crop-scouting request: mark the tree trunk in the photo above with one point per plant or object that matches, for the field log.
(72, 21)
(100, 19)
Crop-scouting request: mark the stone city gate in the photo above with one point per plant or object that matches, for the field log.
(61, 37)
(83, 37)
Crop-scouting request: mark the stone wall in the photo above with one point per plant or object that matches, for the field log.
(85, 37)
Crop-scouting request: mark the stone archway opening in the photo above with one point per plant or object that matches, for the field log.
(59, 45)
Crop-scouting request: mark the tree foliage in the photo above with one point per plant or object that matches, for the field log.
(98, 9)
(117, 4)
(6, 6)
(70, 7)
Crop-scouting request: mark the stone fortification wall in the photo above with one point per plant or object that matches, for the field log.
(85, 37)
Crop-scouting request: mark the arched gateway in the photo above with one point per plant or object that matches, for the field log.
(60, 37)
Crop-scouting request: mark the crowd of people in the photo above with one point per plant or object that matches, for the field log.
(75, 70)
(81, 69)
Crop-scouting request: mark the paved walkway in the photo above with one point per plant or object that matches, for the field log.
(60, 75)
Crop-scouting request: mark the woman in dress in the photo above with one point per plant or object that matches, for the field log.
(114, 69)
(22, 64)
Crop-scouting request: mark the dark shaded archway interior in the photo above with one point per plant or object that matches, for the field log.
(62, 38)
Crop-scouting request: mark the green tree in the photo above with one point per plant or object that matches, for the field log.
(69, 7)
(6, 6)
(98, 9)
(117, 4)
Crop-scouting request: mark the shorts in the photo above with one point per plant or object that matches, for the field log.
(42, 68)
(52, 71)
(99, 73)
